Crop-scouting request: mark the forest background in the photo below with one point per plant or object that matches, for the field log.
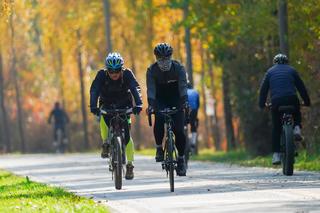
(51, 50)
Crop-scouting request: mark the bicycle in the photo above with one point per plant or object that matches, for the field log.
(170, 154)
(61, 143)
(116, 138)
(287, 146)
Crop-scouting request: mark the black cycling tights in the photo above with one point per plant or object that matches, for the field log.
(276, 118)
(178, 125)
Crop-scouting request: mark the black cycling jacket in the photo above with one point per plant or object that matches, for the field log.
(115, 93)
(167, 88)
(60, 117)
(282, 80)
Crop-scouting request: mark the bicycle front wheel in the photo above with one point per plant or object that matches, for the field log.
(118, 164)
(288, 156)
(170, 161)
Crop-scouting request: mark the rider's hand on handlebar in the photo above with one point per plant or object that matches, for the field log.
(305, 104)
(95, 110)
(150, 109)
(268, 106)
(136, 110)
(186, 108)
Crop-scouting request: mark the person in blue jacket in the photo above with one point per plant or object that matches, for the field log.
(194, 104)
(282, 80)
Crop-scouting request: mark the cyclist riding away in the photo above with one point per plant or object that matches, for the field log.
(60, 120)
(283, 80)
(167, 87)
(194, 104)
(114, 87)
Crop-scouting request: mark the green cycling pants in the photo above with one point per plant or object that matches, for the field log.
(128, 139)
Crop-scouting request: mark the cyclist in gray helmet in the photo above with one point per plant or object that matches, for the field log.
(167, 87)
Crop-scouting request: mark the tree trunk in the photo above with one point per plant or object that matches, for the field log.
(35, 24)
(138, 120)
(283, 27)
(204, 98)
(228, 112)
(61, 91)
(82, 88)
(60, 76)
(206, 122)
(17, 88)
(188, 42)
(150, 30)
(179, 49)
(107, 17)
(5, 131)
(215, 122)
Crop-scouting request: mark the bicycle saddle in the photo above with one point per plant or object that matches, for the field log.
(287, 109)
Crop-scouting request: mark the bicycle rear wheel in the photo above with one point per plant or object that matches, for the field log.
(288, 156)
(117, 164)
(170, 161)
(187, 151)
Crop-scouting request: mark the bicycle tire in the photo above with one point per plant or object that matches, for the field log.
(288, 156)
(118, 164)
(59, 141)
(170, 158)
(187, 148)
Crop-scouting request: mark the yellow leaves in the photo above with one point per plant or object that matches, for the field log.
(205, 46)
(6, 9)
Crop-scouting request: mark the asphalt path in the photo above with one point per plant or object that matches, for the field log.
(208, 187)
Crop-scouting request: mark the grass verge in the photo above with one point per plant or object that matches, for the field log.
(303, 161)
(243, 158)
(148, 152)
(19, 194)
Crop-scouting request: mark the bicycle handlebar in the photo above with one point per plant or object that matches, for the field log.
(116, 111)
(165, 111)
(269, 105)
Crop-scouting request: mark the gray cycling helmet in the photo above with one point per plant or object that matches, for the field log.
(163, 50)
(280, 59)
(114, 61)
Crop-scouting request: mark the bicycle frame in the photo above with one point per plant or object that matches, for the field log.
(286, 120)
(119, 116)
(117, 142)
(169, 145)
(287, 140)
(169, 164)
(61, 141)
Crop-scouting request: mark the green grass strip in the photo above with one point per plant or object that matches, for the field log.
(243, 158)
(19, 194)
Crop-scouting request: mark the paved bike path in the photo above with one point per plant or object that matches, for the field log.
(207, 188)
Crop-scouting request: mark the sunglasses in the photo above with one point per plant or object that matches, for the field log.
(163, 58)
(114, 71)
